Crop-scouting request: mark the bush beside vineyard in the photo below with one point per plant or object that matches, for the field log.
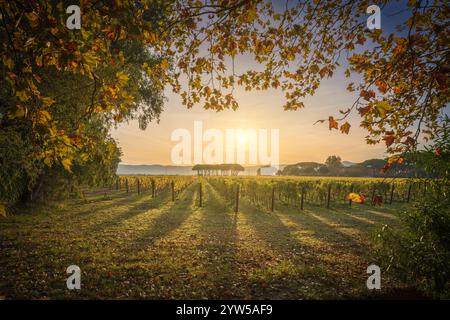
(420, 253)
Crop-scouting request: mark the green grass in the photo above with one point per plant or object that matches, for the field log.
(131, 246)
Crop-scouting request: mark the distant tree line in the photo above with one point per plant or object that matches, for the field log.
(224, 169)
(333, 166)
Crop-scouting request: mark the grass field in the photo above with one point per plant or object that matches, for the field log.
(136, 246)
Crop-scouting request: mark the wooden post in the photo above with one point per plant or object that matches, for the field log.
(350, 200)
(409, 193)
(200, 204)
(138, 186)
(328, 196)
(153, 188)
(302, 198)
(373, 195)
(173, 190)
(126, 184)
(236, 209)
(392, 193)
(273, 199)
(117, 184)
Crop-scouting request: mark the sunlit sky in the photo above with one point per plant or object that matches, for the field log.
(300, 139)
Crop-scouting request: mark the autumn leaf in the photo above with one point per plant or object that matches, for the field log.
(23, 95)
(323, 72)
(410, 141)
(47, 102)
(67, 164)
(396, 159)
(363, 110)
(367, 94)
(2, 210)
(332, 124)
(149, 37)
(389, 140)
(44, 117)
(383, 107)
(122, 77)
(361, 40)
(20, 112)
(438, 152)
(382, 86)
(48, 161)
(8, 62)
(164, 64)
(398, 90)
(356, 197)
(345, 128)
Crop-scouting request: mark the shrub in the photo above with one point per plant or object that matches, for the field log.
(419, 253)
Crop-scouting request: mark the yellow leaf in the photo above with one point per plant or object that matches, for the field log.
(47, 102)
(52, 131)
(382, 107)
(23, 96)
(8, 62)
(356, 197)
(345, 128)
(122, 77)
(164, 64)
(149, 37)
(48, 161)
(44, 116)
(67, 164)
(39, 61)
(2, 210)
(20, 112)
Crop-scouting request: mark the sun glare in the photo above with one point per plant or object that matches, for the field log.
(241, 137)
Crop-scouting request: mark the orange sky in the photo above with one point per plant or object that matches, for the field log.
(300, 139)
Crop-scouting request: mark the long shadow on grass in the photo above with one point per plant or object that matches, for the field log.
(124, 200)
(300, 274)
(142, 206)
(314, 221)
(219, 232)
(108, 196)
(342, 218)
(375, 214)
(168, 221)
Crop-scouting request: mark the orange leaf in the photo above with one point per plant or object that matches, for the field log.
(323, 72)
(363, 110)
(410, 141)
(356, 197)
(382, 86)
(389, 140)
(332, 124)
(367, 95)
